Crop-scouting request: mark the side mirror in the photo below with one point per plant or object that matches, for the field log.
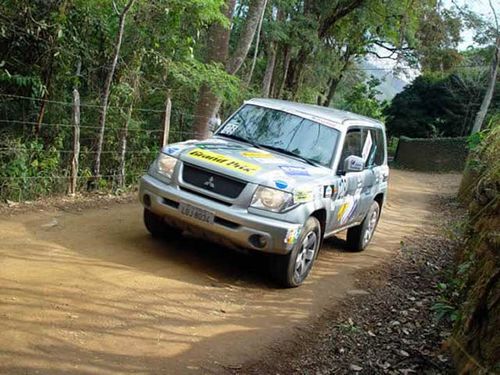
(353, 163)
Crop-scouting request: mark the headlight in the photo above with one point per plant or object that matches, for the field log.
(165, 165)
(271, 199)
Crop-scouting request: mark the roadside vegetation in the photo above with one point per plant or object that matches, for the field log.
(133, 68)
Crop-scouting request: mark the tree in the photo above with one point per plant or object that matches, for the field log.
(107, 85)
(208, 103)
(492, 77)
(363, 99)
(438, 37)
(438, 105)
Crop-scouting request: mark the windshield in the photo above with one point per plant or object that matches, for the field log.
(283, 131)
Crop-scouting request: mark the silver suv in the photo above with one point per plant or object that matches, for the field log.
(276, 177)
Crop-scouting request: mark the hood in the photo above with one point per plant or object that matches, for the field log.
(245, 162)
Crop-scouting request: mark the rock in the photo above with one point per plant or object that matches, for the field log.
(404, 353)
(51, 224)
(358, 292)
(356, 368)
(11, 203)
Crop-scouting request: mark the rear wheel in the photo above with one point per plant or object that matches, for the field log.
(156, 226)
(292, 269)
(359, 237)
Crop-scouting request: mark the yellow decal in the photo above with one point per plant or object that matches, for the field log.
(249, 154)
(303, 196)
(341, 211)
(224, 161)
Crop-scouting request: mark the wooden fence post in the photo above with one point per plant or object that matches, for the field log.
(166, 120)
(76, 142)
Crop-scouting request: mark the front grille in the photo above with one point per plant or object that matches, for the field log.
(206, 196)
(213, 182)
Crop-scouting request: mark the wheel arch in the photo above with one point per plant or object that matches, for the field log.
(320, 214)
(379, 198)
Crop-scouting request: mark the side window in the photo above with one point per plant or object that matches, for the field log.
(377, 153)
(352, 146)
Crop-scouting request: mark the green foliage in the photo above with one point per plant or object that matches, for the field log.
(439, 106)
(445, 311)
(163, 54)
(28, 170)
(363, 100)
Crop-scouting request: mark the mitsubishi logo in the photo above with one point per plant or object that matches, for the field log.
(210, 183)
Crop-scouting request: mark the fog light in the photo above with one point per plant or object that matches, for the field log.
(257, 240)
(146, 199)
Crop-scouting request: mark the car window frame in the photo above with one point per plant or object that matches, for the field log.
(340, 168)
(367, 127)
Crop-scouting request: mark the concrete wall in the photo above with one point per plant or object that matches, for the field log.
(431, 154)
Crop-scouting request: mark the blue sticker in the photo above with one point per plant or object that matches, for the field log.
(294, 171)
(171, 150)
(280, 184)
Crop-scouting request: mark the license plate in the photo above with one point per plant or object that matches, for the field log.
(196, 213)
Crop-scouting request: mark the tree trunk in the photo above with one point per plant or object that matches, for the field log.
(166, 120)
(257, 42)
(123, 146)
(76, 142)
(208, 104)
(481, 114)
(49, 71)
(268, 74)
(295, 71)
(286, 66)
(334, 82)
(219, 41)
(107, 89)
(255, 10)
(321, 95)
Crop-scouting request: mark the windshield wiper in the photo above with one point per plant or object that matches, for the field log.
(290, 153)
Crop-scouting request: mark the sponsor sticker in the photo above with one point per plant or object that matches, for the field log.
(171, 150)
(348, 208)
(280, 184)
(328, 191)
(302, 196)
(229, 129)
(294, 171)
(224, 161)
(367, 146)
(257, 155)
(292, 235)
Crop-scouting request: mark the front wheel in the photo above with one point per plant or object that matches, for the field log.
(292, 269)
(359, 237)
(155, 225)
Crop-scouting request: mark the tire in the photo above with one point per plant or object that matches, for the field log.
(156, 226)
(287, 270)
(359, 237)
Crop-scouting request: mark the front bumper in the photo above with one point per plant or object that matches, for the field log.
(233, 226)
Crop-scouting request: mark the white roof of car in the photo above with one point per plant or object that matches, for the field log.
(316, 112)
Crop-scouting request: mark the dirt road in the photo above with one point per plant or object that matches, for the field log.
(89, 291)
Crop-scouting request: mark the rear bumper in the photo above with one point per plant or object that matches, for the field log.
(233, 226)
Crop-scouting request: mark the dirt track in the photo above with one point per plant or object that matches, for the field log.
(91, 292)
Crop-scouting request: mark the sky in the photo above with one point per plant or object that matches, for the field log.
(480, 7)
(395, 82)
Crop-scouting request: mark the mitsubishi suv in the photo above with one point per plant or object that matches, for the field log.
(276, 177)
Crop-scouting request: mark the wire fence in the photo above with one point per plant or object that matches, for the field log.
(42, 164)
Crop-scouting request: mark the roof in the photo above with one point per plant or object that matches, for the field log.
(326, 113)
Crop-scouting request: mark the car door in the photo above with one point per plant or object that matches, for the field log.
(355, 188)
